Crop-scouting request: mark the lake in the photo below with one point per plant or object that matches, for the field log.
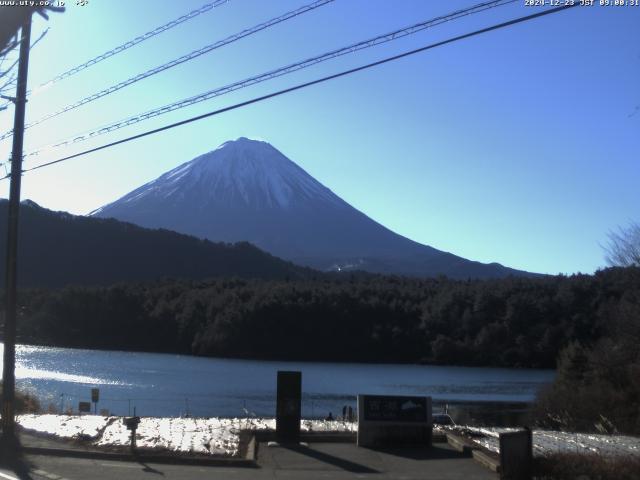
(172, 385)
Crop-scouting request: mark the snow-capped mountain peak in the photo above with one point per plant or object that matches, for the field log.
(247, 190)
(250, 171)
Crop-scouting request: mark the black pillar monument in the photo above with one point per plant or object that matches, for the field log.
(289, 407)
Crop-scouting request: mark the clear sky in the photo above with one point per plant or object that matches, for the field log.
(520, 146)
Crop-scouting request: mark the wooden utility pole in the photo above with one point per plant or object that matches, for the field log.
(8, 371)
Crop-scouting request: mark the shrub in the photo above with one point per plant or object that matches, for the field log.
(25, 402)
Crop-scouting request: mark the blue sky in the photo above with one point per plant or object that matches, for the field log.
(519, 146)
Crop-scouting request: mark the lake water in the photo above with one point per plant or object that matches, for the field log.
(171, 385)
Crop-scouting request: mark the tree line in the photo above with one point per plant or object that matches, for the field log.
(597, 387)
(512, 322)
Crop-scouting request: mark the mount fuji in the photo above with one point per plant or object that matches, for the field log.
(247, 190)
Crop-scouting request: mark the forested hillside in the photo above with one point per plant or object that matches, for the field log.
(508, 322)
(58, 249)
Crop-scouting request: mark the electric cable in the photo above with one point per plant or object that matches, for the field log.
(177, 61)
(307, 84)
(380, 39)
(139, 39)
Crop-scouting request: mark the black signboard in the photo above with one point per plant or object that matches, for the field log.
(95, 395)
(131, 422)
(289, 407)
(383, 408)
(84, 407)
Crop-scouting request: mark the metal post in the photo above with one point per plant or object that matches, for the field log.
(8, 372)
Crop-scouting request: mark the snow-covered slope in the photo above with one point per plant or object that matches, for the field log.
(242, 172)
(246, 190)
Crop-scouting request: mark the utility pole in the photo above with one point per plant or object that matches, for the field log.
(8, 372)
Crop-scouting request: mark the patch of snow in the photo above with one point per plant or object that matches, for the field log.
(210, 436)
(328, 426)
(135, 197)
(546, 441)
(220, 436)
(180, 171)
(188, 435)
(97, 212)
(64, 426)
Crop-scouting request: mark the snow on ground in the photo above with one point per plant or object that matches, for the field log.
(546, 441)
(213, 436)
(221, 436)
(326, 426)
(65, 426)
(217, 436)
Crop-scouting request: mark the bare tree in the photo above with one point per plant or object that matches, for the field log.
(8, 42)
(12, 19)
(623, 248)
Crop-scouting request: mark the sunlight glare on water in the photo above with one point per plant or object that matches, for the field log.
(170, 385)
(26, 368)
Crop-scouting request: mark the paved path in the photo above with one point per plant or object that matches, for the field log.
(345, 460)
(318, 461)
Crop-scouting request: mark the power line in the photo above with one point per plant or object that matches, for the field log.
(306, 84)
(120, 48)
(184, 58)
(125, 46)
(380, 39)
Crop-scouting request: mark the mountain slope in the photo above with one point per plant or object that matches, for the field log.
(58, 249)
(247, 190)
